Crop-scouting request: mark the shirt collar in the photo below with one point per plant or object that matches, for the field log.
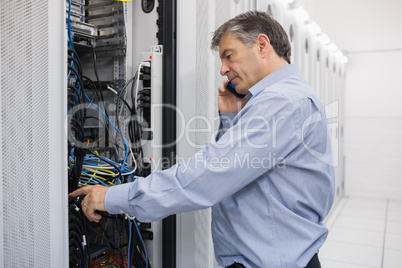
(272, 78)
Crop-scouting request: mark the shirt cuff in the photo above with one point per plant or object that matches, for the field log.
(116, 199)
(226, 120)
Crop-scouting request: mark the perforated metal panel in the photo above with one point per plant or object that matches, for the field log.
(206, 109)
(210, 15)
(25, 134)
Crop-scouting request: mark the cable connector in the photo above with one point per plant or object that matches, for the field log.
(129, 217)
(145, 92)
(145, 63)
(145, 70)
(145, 77)
(84, 241)
(112, 89)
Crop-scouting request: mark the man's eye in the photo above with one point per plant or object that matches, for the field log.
(228, 57)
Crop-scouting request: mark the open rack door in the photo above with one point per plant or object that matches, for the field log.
(33, 215)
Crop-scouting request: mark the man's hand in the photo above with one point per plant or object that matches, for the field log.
(227, 102)
(93, 200)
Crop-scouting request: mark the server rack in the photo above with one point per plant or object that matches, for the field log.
(34, 230)
(38, 43)
(109, 45)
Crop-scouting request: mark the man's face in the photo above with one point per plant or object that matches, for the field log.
(239, 63)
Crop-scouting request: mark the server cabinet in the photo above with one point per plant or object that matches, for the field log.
(115, 108)
(35, 102)
(33, 219)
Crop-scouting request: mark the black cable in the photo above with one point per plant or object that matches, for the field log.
(77, 70)
(137, 250)
(134, 128)
(70, 50)
(106, 237)
(121, 132)
(97, 78)
(102, 128)
(77, 222)
(127, 105)
(78, 78)
(82, 254)
(125, 102)
(76, 123)
(77, 64)
(112, 217)
(133, 79)
(79, 253)
(77, 95)
(95, 88)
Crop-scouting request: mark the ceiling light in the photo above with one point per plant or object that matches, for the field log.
(324, 38)
(332, 47)
(338, 54)
(301, 13)
(314, 28)
(344, 59)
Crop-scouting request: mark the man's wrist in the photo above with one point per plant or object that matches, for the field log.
(116, 199)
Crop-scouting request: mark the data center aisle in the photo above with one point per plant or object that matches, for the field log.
(364, 233)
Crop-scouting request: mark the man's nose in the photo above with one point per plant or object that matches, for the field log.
(224, 69)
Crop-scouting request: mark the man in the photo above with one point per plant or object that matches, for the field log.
(268, 177)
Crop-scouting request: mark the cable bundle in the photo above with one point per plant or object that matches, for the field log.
(88, 164)
(78, 247)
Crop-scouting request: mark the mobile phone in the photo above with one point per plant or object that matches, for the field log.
(232, 89)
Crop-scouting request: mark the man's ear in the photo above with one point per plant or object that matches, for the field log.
(263, 44)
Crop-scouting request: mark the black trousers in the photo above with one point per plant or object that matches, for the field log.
(314, 263)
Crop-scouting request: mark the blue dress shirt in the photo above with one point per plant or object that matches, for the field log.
(268, 177)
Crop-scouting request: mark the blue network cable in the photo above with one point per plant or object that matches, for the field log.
(122, 166)
(129, 243)
(98, 180)
(70, 42)
(96, 161)
(71, 45)
(69, 28)
(69, 25)
(118, 131)
(143, 244)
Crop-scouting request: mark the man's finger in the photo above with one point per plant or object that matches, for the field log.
(96, 217)
(92, 216)
(81, 191)
(89, 211)
(222, 88)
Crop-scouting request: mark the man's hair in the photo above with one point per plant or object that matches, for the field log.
(247, 26)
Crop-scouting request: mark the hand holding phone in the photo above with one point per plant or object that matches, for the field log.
(232, 89)
(230, 101)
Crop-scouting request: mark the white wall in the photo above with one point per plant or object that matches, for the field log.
(357, 25)
(373, 125)
(367, 31)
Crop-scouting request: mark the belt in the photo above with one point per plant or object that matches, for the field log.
(314, 263)
(236, 265)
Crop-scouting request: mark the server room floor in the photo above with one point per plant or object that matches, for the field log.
(364, 233)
